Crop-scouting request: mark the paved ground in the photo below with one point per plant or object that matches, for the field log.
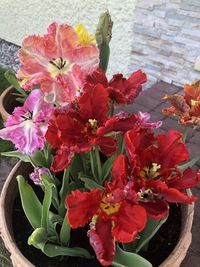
(151, 101)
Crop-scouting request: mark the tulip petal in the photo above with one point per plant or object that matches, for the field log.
(102, 241)
(130, 220)
(82, 206)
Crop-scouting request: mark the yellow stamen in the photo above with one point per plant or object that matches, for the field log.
(109, 208)
(150, 172)
(84, 37)
(93, 123)
(59, 66)
(194, 102)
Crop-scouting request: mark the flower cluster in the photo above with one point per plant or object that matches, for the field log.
(117, 173)
(186, 107)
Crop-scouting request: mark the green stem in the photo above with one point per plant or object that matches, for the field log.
(185, 133)
(31, 161)
(83, 162)
(97, 156)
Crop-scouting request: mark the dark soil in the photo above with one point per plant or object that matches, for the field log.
(160, 246)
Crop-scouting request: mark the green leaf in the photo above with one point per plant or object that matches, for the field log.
(11, 78)
(45, 222)
(38, 238)
(53, 251)
(128, 259)
(16, 154)
(149, 231)
(190, 163)
(89, 183)
(63, 192)
(107, 166)
(38, 158)
(76, 167)
(30, 203)
(3, 81)
(65, 232)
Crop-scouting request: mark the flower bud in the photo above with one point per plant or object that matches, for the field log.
(36, 175)
(104, 29)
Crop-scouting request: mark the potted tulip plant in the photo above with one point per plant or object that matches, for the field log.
(95, 186)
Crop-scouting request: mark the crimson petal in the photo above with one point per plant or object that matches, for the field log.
(102, 241)
(62, 159)
(81, 206)
(157, 209)
(130, 220)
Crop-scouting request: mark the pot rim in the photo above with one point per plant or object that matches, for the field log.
(174, 259)
(4, 231)
(3, 111)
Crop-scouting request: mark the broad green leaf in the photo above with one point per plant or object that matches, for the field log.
(16, 154)
(38, 158)
(149, 231)
(3, 81)
(54, 250)
(89, 183)
(14, 82)
(76, 166)
(45, 223)
(107, 166)
(128, 259)
(190, 163)
(65, 232)
(47, 180)
(38, 238)
(63, 192)
(30, 203)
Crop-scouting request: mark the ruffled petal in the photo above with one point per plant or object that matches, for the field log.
(175, 196)
(87, 57)
(102, 241)
(98, 76)
(120, 171)
(57, 93)
(82, 206)
(94, 103)
(157, 209)
(124, 91)
(27, 136)
(27, 126)
(60, 40)
(136, 142)
(118, 123)
(188, 179)
(172, 150)
(33, 56)
(108, 145)
(130, 220)
(61, 160)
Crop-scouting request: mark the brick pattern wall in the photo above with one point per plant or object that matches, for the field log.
(166, 40)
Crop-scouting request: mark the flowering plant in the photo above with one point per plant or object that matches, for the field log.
(108, 172)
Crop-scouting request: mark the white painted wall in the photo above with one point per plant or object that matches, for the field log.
(21, 17)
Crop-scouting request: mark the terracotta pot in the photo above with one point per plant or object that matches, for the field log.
(8, 195)
(6, 102)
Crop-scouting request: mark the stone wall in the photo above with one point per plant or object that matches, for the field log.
(166, 40)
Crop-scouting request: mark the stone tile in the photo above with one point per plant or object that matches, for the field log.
(147, 101)
(194, 149)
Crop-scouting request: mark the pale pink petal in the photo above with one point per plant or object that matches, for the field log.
(60, 40)
(55, 92)
(87, 57)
